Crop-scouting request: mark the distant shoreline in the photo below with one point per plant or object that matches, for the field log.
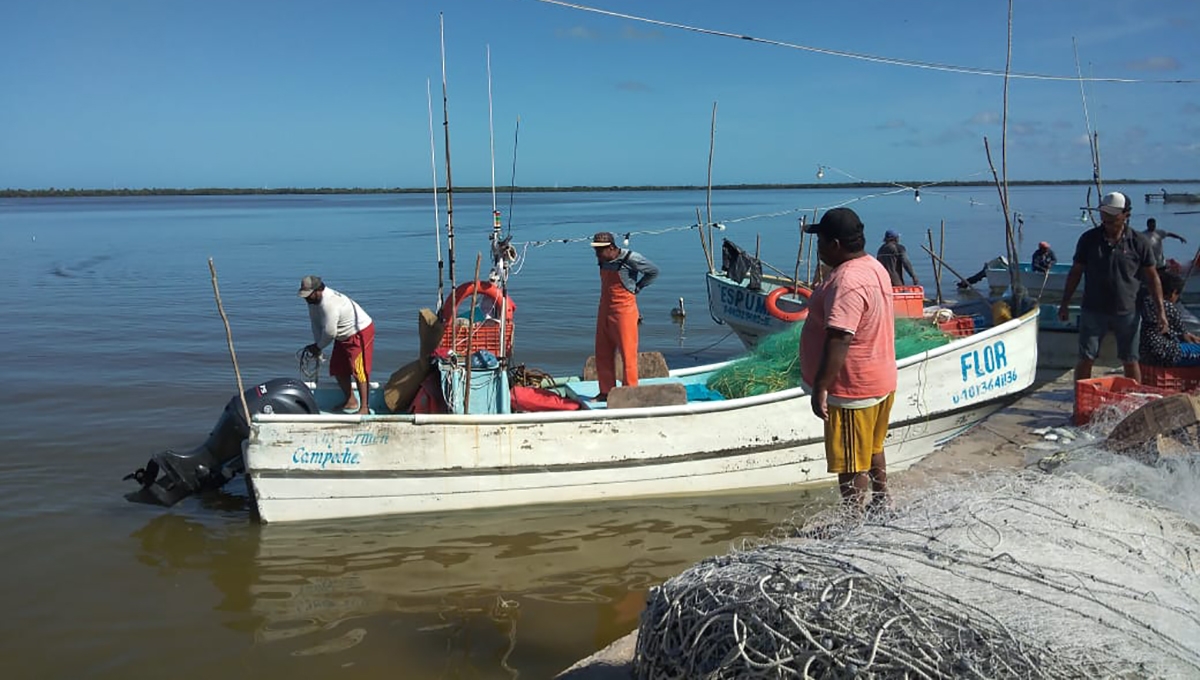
(309, 191)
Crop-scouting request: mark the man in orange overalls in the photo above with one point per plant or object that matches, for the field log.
(623, 274)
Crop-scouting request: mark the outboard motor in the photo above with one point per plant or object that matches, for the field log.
(170, 476)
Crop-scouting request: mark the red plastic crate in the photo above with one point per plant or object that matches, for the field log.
(1177, 378)
(481, 335)
(959, 326)
(1093, 393)
(909, 301)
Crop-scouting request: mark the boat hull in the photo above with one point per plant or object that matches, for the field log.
(1049, 287)
(322, 467)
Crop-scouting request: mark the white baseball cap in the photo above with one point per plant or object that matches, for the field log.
(1115, 203)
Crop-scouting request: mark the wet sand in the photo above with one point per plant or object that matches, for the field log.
(999, 442)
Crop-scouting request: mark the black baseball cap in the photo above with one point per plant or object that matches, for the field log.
(839, 223)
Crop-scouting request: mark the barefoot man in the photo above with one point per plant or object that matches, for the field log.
(338, 319)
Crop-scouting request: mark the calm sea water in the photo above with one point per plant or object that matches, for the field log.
(116, 351)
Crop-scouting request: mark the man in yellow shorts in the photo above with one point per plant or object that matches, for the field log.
(848, 358)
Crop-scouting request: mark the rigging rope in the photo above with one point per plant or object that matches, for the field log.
(893, 61)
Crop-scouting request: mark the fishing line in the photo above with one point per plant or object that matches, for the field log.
(893, 61)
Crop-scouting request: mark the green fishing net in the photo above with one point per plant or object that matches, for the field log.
(774, 363)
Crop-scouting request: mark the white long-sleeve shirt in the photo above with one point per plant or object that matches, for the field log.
(336, 317)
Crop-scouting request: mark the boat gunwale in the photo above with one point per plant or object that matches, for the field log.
(598, 415)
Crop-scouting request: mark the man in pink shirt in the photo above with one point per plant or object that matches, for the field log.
(848, 357)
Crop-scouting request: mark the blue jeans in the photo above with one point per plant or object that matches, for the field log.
(1093, 326)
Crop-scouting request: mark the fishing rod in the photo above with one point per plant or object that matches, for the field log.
(512, 182)
(1093, 136)
(499, 272)
(437, 219)
(446, 130)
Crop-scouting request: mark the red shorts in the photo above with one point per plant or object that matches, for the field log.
(352, 356)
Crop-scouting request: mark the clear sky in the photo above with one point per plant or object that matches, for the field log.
(273, 93)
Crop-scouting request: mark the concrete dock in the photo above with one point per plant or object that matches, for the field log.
(1000, 441)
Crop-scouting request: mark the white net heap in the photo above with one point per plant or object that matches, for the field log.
(1010, 575)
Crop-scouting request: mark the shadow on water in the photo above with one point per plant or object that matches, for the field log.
(79, 269)
(474, 594)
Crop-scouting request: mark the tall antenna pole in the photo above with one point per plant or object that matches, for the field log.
(446, 130)
(492, 141)
(437, 218)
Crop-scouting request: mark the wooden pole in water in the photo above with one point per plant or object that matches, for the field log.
(712, 139)
(708, 257)
(942, 250)
(471, 333)
(799, 253)
(937, 280)
(948, 267)
(212, 269)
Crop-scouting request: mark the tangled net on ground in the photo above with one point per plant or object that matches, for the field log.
(774, 363)
(1007, 576)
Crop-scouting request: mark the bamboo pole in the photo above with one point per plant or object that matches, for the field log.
(937, 280)
(942, 249)
(471, 333)
(212, 269)
(708, 257)
(799, 253)
(712, 139)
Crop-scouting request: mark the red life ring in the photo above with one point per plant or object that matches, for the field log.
(484, 288)
(790, 317)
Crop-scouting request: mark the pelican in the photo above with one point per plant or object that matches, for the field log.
(679, 312)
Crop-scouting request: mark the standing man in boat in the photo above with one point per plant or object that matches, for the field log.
(1156, 237)
(1113, 260)
(848, 358)
(338, 319)
(623, 274)
(894, 258)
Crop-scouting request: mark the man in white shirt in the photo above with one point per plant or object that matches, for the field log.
(338, 319)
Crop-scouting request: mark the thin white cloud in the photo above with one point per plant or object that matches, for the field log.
(985, 118)
(577, 33)
(1159, 63)
(630, 32)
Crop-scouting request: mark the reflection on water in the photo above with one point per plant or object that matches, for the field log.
(487, 594)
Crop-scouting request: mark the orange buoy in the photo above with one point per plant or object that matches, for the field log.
(772, 303)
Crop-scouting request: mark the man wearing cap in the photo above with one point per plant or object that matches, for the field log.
(894, 258)
(623, 274)
(1043, 258)
(338, 319)
(1113, 261)
(1156, 237)
(848, 358)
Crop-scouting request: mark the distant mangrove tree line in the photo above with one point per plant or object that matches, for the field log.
(54, 192)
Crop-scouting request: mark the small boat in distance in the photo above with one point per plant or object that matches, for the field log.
(1174, 197)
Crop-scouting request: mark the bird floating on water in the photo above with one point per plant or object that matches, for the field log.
(679, 312)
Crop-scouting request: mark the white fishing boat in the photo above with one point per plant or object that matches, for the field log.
(319, 465)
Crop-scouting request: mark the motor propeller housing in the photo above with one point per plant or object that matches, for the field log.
(171, 476)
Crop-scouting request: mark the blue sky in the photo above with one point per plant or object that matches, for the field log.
(166, 93)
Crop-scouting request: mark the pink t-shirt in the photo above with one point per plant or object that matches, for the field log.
(857, 297)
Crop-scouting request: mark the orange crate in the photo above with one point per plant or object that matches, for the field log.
(909, 301)
(959, 326)
(1093, 393)
(1177, 378)
(481, 335)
